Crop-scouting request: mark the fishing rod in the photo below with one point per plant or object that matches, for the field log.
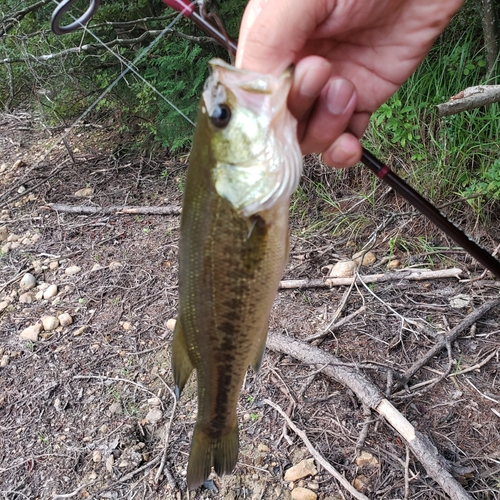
(210, 24)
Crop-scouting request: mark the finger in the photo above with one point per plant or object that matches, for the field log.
(273, 32)
(310, 76)
(344, 152)
(331, 115)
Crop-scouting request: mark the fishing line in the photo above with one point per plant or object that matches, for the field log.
(132, 65)
(110, 87)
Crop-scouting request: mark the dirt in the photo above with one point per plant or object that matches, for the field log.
(76, 417)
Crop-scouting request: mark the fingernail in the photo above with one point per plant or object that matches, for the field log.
(339, 95)
(309, 84)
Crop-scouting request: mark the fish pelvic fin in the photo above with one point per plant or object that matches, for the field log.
(259, 354)
(181, 364)
(221, 452)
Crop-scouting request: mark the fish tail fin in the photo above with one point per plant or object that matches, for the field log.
(222, 453)
(181, 364)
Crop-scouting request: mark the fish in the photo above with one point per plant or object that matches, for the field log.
(245, 163)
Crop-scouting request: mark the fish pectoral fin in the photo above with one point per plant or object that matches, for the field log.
(181, 364)
(259, 354)
(221, 452)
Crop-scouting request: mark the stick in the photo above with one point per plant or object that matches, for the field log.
(115, 210)
(404, 274)
(447, 339)
(369, 394)
(470, 98)
(316, 454)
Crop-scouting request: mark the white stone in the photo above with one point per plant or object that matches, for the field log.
(4, 233)
(82, 193)
(342, 269)
(303, 494)
(6, 248)
(32, 332)
(12, 237)
(96, 267)
(14, 245)
(26, 298)
(53, 265)
(154, 415)
(50, 323)
(28, 282)
(50, 292)
(171, 324)
(4, 361)
(39, 295)
(65, 319)
(368, 259)
(115, 265)
(96, 456)
(72, 270)
(3, 305)
(302, 469)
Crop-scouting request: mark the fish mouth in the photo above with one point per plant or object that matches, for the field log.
(258, 161)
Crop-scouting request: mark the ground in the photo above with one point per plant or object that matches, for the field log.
(85, 409)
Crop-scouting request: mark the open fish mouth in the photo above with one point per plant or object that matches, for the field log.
(258, 161)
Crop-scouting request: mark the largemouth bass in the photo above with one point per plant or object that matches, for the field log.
(244, 166)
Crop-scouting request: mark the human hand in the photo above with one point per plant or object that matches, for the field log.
(350, 57)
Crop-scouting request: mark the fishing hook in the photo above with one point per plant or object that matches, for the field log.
(62, 8)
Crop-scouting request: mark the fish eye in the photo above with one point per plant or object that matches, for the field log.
(221, 116)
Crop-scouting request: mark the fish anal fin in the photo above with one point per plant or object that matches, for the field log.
(221, 452)
(181, 364)
(259, 354)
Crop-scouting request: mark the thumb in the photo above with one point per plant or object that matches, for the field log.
(273, 32)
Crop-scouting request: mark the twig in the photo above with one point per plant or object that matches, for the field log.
(404, 274)
(73, 493)
(332, 327)
(452, 336)
(370, 396)
(470, 98)
(168, 429)
(115, 210)
(316, 454)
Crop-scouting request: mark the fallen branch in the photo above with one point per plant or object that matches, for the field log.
(370, 396)
(316, 454)
(114, 210)
(450, 337)
(470, 98)
(403, 274)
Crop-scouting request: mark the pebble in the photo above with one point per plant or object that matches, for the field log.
(79, 331)
(127, 325)
(50, 292)
(96, 456)
(37, 266)
(39, 295)
(115, 408)
(26, 298)
(154, 402)
(6, 248)
(154, 416)
(12, 237)
(14, 245)
(393, 264)
(366, 459)
(368, 259)
(4, 361)
(32, 332)
(303, 494)
(53, 265)
(262, 447)
(342, 269)
(360, 483)
(115, 265)
(92, 475)
(50, 323)
(82, 193)
(25, 241)
(3, 305)
(302, 469)
(65, 319)
(28, 282)
(4, 233)
(72, 270)
(171, 324)
(96, 267)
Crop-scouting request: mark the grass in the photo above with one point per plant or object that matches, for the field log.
(443, 157)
